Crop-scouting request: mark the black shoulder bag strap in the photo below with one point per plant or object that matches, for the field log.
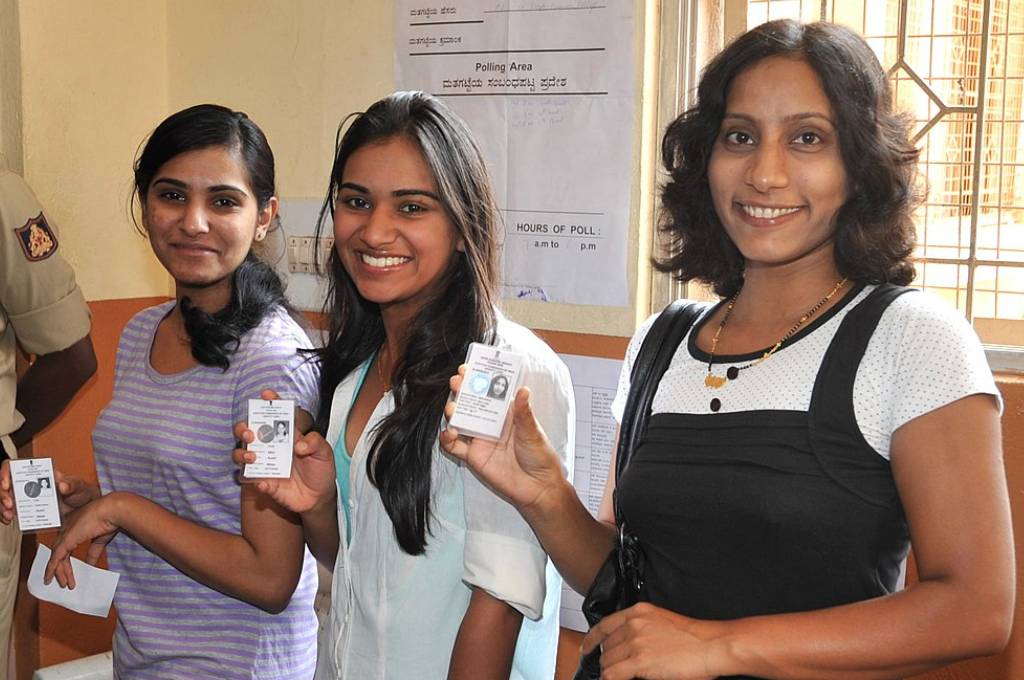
(619, 580)
(656, 352)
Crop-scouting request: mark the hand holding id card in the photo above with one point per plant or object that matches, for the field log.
(273, 423)
(490, 382)
(35, 494)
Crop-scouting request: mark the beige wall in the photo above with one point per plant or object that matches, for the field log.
(94, 79)
(10, 85)
(97, 76)
(295, 67)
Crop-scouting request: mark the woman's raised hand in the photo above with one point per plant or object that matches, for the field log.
(311, 484)
(522, 467)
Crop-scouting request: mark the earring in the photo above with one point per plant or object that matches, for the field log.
(261, 233)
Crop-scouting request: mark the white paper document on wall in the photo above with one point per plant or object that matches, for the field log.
(594, 382)
(548, 90)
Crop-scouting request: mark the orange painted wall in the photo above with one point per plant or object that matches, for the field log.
(47, 634)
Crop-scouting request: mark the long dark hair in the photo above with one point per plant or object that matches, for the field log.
(256, 289)
(399, 464)
(874, 233)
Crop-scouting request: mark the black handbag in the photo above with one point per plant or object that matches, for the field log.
(618, 582)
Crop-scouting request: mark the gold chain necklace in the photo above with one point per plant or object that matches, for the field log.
(716, 381)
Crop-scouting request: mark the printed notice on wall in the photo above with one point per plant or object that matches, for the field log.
(547, 87)
(594, 382)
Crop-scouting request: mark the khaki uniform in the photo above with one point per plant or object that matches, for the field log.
(43, 311)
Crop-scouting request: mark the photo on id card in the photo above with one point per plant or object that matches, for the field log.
(35, 494)
(488, 386)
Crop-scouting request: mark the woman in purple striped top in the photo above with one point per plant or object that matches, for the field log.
(215, 581)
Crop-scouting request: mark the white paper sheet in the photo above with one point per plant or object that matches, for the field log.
(93, 592)
(548, 89)
(594, 382)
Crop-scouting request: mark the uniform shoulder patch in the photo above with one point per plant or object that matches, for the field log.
(37, 240)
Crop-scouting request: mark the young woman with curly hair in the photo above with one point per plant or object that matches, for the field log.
(814, 424)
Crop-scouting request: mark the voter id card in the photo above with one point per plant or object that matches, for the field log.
(488, 386)
(35, 494)
(273, 423)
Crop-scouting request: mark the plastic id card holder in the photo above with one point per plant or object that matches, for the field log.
(488, 387)
(273, 423)
(35, 494)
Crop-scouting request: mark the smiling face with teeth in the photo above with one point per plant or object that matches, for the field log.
(391, 230)
(776, 172)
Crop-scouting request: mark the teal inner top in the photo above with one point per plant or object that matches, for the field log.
(343, 458)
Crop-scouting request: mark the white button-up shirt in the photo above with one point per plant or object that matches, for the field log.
(395, 616)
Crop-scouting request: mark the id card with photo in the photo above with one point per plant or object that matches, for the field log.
(273, 423)
(35, 494)
(492, 375)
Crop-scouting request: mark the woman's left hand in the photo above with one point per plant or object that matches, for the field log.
(649, 642)
(95, 522)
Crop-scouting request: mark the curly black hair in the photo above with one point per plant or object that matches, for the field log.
(874, 231)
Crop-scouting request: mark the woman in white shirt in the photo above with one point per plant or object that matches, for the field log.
(433, 573)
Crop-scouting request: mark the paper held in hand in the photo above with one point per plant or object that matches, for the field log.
(273, 423)
(488, 387)
(92, 595)
(35, 494)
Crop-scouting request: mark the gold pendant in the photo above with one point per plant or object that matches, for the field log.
(714, 381)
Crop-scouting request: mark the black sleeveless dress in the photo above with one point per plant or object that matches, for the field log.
(769, 512)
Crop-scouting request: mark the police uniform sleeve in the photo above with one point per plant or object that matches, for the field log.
(38, 292)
